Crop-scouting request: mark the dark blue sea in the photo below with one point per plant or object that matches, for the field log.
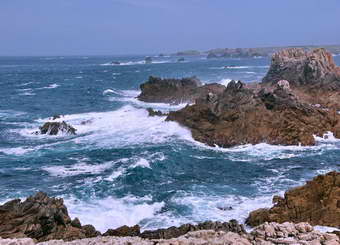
(125, 168)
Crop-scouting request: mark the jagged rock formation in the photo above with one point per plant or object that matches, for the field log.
(53, 128)
(41, 218)
(176, 91)
(174, 232)
(266, 234)
(153, 113)
(303, 68)
(317, 202)
(246, 116)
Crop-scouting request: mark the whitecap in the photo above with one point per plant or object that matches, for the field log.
(110, 212)
(220, 208)
(141, 162)
(77, 169)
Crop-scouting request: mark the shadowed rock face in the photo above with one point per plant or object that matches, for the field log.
(317, 202)
(245, 116)
(174, 232)
(176, 91)
(300, 68)
(42, 218)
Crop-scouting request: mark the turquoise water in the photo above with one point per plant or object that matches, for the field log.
(124, 167)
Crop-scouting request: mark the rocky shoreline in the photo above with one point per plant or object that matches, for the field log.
(298, 99)
(45, 220)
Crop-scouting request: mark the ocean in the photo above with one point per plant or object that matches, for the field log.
(124, 167)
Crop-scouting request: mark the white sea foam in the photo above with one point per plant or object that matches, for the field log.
(77, 169)
(327, 138)
(51, 86)
(225, 81)
(130, 97)
(126, 126)
(221, 208)
(141, 162)
(113, 212)
(15, 151)
(140, 62)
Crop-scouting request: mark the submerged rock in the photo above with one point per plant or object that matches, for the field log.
(317, 202)
(148, 60)
(53, 128)
(176, 91)
(41, 218)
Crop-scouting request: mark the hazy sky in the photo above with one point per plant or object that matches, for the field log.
(76, 27)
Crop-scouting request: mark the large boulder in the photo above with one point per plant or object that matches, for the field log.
(300, 67)
(241, 115)
(54, 128)
(41, 218)
(176, 91)
(317, 202)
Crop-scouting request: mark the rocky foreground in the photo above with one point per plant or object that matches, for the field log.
(266, 234)
(317, 202)
(45, 220)
(297, 100)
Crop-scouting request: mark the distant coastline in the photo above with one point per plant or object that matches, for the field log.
(251, 52)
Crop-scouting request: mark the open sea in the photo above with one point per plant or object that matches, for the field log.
(125, 168)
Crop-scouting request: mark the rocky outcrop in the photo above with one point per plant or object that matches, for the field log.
(123, 231)
(302, 68)
(54, 128)
(241, 115)
(266, 234)
(41, 218)
(153, 113)
(317, 202)
(174, 232)
(176, 91)
(313, 75)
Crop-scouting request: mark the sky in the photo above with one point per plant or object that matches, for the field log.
(108, 27)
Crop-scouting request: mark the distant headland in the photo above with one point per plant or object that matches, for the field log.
(252, 52)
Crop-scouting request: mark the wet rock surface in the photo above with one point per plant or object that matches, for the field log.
(54, 128)
(153, 113)
(317, 202)
(176, 91)
(41, 218)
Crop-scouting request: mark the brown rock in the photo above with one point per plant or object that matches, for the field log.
(316, 203)
(124, 231)
(42, 218)
(174, 232)
(176, 91)
(247, 116)
(300, 67)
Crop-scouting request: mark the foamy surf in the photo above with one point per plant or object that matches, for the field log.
(110, 212)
